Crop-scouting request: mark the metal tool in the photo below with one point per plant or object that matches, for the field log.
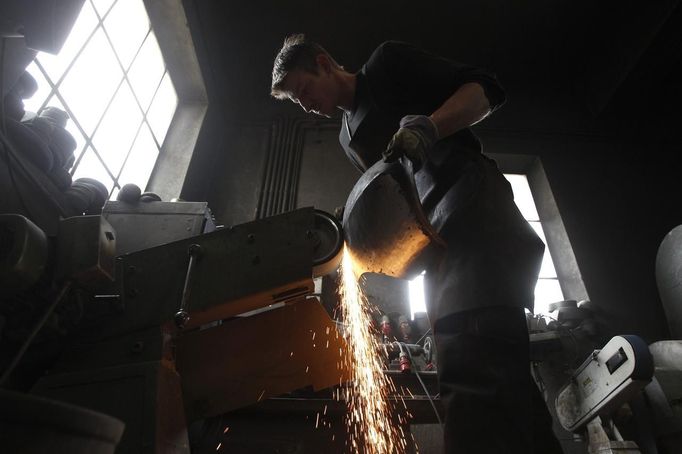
(606, 380)
(384, 224)
(182, 315)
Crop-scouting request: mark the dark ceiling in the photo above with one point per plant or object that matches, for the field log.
(570, 59)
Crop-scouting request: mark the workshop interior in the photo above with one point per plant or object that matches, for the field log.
(171, 235)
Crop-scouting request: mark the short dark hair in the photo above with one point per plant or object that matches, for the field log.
(296, 53)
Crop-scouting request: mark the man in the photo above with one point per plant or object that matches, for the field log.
(405, 102)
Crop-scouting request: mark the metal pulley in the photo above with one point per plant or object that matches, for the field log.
(327, 236)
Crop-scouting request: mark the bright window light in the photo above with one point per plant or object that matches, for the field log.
(111, 79)
(547, 290)
(416, 293)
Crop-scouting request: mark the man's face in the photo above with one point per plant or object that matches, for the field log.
(316, 93)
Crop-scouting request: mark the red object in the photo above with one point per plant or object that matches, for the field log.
(385, 326)
(405, 364)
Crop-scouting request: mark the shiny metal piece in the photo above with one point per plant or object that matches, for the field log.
(23, 252)
(384, 225)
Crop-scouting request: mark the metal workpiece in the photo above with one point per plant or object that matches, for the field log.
(86, 251)
(385, 228)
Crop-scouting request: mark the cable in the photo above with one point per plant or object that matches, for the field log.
(428, 331)
(36, 329)
(426, 391)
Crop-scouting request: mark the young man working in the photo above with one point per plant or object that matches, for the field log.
(406, 102)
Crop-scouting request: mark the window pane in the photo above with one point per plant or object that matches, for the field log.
(523, 196)
(147, 70)
(34, 103)
(547, 291)
(55, 65)
(416, 293)
(141, 161)
(127, 24)
(162, 109)
(547, 269)
(91, 167)
(114, 193)
(91, 83)
(102, 6)
(117, 131)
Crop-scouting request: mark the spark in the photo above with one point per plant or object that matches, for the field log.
(226, 429)
(369, 418)
(218, 447)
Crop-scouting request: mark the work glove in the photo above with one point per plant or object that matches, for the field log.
(416, 136)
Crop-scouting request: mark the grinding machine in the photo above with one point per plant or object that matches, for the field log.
(179, 320)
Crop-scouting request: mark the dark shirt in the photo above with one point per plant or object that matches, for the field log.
(493, 255)
(400, 79)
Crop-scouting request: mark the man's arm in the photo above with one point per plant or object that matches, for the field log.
(467, 106)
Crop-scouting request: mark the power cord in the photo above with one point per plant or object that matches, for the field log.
(403, 347)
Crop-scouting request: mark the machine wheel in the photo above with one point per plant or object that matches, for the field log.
(328, 243)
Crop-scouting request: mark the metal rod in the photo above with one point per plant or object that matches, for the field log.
(182, 315)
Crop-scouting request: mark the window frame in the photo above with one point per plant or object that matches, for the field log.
(558, 243)
(169, 24)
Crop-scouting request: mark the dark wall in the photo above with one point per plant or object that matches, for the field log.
(600, 117)
(617, 200)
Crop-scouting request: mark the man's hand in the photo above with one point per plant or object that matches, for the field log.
(416, 136)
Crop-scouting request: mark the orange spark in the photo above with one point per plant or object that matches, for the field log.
(369, 417)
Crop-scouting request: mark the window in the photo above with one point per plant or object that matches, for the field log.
(548, 289)
(110, 77)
